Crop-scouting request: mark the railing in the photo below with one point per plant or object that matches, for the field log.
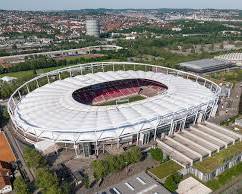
(83, 69)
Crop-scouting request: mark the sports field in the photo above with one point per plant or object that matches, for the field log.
(123, 100)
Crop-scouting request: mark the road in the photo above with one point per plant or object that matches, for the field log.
(18, 151)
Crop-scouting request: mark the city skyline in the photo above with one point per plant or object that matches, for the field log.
(139, 4)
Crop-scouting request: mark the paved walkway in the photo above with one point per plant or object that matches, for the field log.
(119, 176)
(230, 105)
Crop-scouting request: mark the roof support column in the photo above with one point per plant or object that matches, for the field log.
(213, 107)
(155, 133)
(171, 127)
(59, 76)
(137, 139)
(19, 94)
(102, 67)
(27, 88)
(76, 150)
(205, 83)
(184, 123)
(37, 83)
(92, 69)
(48, 79)
(195, 120)
(96, 148)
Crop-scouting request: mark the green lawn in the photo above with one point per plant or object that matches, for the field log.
(210, 164)
(131, 99)
(165, 169)
(23, 74)
(20, 74)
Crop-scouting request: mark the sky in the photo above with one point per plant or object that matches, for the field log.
(116, 4)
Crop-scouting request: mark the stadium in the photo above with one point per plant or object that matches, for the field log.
(91, 107)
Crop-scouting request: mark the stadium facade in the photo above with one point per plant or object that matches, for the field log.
(46, 108)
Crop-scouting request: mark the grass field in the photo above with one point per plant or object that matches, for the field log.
(165, 169)
(131, 99)
(23, 74)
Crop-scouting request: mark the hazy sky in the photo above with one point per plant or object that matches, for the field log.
(81, 4)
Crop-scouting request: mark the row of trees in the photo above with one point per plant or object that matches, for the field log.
(110, 164)
(40, 62)
(46, 180)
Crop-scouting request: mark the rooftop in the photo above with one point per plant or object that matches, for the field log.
(165, 169)
(210, 164)
(206, 65)
(191, 186)
(6, 153)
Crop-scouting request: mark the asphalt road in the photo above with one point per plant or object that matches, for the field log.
(18, 151)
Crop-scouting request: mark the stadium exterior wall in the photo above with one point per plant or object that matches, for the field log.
(167, 125)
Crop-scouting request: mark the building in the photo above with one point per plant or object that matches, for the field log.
(92, 28)
(6, 153)
(206, 65)
(140, 183)
(5, 176)
(191, 186)
(231, 57)
(7, 157)
(70, 107)
(238, 123)
(8, 79)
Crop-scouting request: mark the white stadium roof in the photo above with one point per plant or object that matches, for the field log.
(51, 112)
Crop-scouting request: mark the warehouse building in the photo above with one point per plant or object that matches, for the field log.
(206, 65)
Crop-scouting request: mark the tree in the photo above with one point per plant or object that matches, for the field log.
(46, 179)
(99, 169)
(86, 181)
(156, 154)
(33, 158)
(4, 116)
(20, 186)
(172, 182)
(110, 164)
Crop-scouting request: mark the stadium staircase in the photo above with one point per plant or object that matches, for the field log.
(197, 142)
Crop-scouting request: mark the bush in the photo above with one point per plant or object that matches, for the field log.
(20, 186)
(171, 182)
(156, 154)
(86, 181)
(33, 158)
